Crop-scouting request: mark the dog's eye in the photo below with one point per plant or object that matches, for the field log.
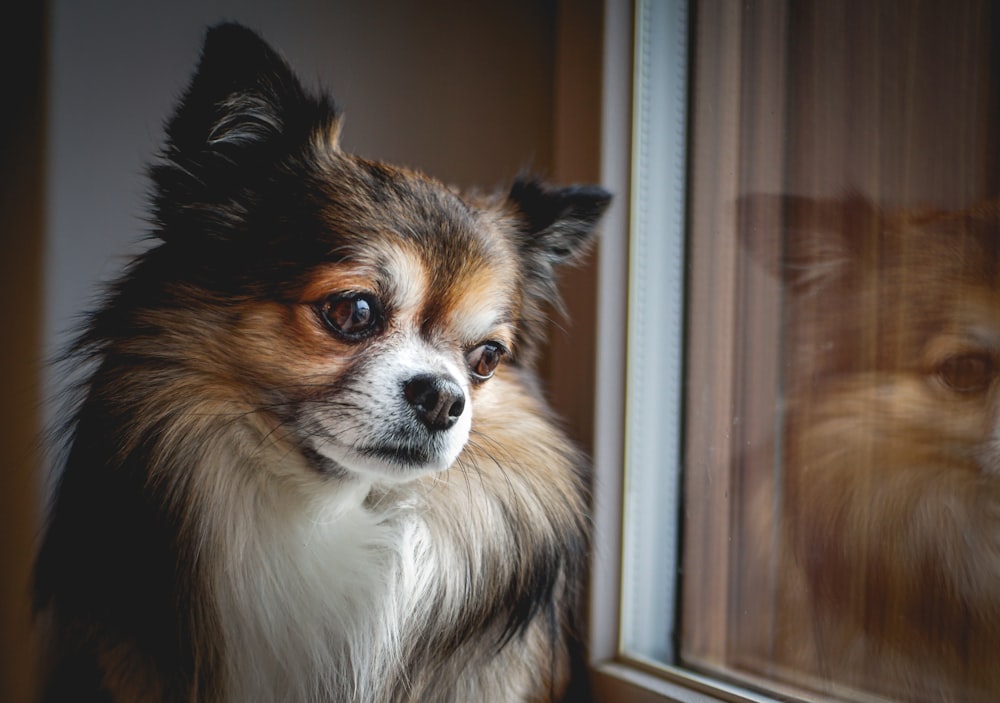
(484, 359)
(967, 373)
(352, 316)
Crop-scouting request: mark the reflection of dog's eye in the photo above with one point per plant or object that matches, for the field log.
(352, 316)
(484, 359)
(967, 373)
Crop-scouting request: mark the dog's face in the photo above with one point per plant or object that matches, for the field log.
(379, 352)
(375, 360)
(363, 308)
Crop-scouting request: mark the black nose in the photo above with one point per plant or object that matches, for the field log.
(437, 401)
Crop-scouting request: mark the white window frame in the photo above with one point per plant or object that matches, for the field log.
(618, 677)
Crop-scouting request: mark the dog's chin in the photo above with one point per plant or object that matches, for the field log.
(385, 463)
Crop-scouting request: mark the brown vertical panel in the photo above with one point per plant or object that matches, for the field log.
(569, 363)
(22, 56)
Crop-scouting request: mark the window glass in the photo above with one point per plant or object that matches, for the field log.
(841, 446)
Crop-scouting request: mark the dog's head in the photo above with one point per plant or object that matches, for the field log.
(364, 308)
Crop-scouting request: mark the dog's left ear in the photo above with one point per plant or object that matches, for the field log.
(557, 224)
(553, 226)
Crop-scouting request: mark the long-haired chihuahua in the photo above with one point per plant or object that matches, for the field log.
(310, 460)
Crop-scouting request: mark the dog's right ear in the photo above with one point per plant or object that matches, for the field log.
(242, 111)
(243, 96)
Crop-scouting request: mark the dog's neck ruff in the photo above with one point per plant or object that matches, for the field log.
(299, 581)
(334, 594)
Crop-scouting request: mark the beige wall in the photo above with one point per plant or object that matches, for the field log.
(570, 365)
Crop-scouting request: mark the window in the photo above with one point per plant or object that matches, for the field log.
(798, 473)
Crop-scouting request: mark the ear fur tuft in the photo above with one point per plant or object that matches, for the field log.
(559, 223)
(556, 226)
(242, 112)
(242, 93)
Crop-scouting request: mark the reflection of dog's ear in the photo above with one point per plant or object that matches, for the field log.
(808, 242)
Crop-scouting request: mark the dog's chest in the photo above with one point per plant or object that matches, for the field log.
(329, 602)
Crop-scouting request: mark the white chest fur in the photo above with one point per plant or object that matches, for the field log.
(317, 598)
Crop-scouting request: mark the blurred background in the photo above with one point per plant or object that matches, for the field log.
(471, 93)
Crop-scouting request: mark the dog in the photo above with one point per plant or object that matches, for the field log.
(890, 494)
(310, 460)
